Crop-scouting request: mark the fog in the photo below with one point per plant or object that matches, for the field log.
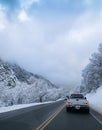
(52, 44)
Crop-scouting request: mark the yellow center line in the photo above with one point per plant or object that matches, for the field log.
(46, 122)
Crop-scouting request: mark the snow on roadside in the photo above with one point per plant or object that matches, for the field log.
(16, 107)
(95, 100)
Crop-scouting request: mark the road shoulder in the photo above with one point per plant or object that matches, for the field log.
(96, 115)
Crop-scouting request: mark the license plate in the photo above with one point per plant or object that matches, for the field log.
(77, 107)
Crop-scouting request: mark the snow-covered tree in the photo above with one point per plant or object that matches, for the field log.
(92, 74)
(18, 86)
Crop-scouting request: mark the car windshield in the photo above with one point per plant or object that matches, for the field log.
(76, 96)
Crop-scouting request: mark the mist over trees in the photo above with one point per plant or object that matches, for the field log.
(92, 74)
(18, 86)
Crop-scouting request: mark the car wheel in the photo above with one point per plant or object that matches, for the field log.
(67, 109)
(87, 111)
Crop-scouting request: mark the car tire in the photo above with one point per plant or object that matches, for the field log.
(67, 109)
(87, 111)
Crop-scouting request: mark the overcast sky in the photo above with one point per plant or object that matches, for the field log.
(53, 38)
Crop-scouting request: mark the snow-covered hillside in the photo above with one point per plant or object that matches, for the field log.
(92, 80)
(17, 86)
(92, 74)
(95, 100)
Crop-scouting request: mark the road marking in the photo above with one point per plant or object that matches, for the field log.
(96, 118)
(46, 122)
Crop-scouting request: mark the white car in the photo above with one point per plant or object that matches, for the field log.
(77, 102)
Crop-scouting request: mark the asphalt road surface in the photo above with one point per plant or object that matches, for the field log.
(74, 121)
(50, 117)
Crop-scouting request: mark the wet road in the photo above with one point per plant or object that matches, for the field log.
(50, 117)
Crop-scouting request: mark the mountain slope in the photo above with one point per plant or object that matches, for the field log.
(17, 86)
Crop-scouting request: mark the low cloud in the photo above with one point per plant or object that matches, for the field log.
(57, 48)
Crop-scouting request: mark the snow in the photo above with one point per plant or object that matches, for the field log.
(95, 100)
(92, 74)
(18, 86)
(17, 107)
(92, 80)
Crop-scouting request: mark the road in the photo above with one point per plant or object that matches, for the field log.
(74, 121)
(50, 117)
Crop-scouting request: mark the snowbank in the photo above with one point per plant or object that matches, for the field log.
(95, 100)
(16, 107)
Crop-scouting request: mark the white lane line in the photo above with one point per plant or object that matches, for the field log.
(96, 118)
